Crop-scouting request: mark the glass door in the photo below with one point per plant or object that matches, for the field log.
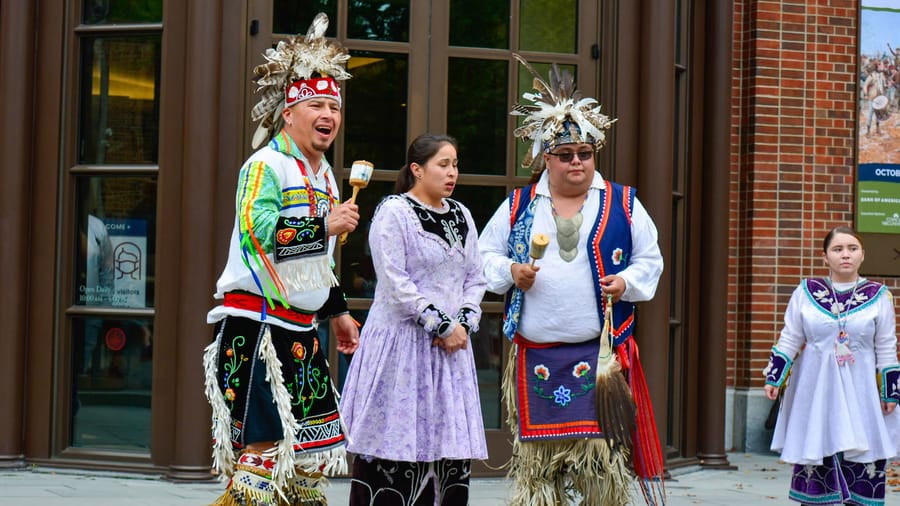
(105, 355)
(443, 67)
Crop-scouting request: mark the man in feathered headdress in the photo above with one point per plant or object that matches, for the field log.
(274, 410)
(574, 389)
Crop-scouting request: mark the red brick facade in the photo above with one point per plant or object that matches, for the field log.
(793, 161)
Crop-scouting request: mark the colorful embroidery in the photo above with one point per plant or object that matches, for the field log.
(231, 366)
(298, 351)
(563, 395)
(617, 256)
(299, 238)
(834, 302)
(581, 369)
(308, 385)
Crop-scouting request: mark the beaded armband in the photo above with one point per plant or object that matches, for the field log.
(890, 383)
(777, 369)
(468, 318)
(435, 321)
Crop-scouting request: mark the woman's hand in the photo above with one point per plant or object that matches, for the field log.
(457, 340)
(888, 407)
(771, 392)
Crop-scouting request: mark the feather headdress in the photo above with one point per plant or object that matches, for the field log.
(557, 115)
(297, 69)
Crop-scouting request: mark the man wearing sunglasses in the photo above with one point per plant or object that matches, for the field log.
(602, 251)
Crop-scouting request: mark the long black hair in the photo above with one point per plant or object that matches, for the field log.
(422, 149)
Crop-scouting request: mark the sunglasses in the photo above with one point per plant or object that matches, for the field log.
(569, 156)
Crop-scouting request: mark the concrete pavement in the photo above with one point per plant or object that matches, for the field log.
(757, 479)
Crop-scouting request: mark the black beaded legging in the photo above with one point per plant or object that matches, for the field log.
(379, 482)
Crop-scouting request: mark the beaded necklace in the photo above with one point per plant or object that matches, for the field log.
(311, 191)
(841, 311)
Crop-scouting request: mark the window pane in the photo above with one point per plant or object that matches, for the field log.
(115, 231)
(385, 20)
(487, 346)
(482, 201)
(375, 110)
(119, 100)
(540, 31)
(357, 272)
(479, 23)
(101, 12)
(477, 112)
(525, 86)
(293, 17)
(112, 364)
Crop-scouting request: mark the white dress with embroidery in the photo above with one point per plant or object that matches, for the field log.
(830, 408)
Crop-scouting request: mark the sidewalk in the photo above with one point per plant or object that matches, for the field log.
(758, 479)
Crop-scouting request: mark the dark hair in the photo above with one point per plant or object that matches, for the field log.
(839, 230)
(422, 149)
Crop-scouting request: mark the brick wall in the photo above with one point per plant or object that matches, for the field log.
(793, 161)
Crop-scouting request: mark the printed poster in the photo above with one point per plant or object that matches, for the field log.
(878, 175)
(128, 238)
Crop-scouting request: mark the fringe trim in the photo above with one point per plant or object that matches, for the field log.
(307, 489)
(306, 274)
(549, 473)
(508, 389)
(248, 489)
(331, 462)
(222, 452)
(284, 454)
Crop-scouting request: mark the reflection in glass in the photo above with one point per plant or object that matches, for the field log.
(119, 104)
(476, 23)
(487, 346)
(379, 20)
(115, 231)
(293, 17)
(477, 112)
(540, 32)
(375, 117)
(482, 201)
(525, 86)
(357, 272)
(101, 12)
(112, 364)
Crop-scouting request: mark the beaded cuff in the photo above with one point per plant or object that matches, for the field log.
(435, 321)
(890, 383)
(777, 369)
(468, 318)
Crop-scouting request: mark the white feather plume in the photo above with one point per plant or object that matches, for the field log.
(291, 60)
(551, 106)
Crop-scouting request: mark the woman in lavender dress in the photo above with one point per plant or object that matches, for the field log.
(411, 397)
(836, 425)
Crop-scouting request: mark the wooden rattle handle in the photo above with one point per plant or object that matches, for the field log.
(342, 239)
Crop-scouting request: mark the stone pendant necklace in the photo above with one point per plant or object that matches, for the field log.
(567, 232)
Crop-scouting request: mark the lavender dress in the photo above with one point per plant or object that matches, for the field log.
(405, 399)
